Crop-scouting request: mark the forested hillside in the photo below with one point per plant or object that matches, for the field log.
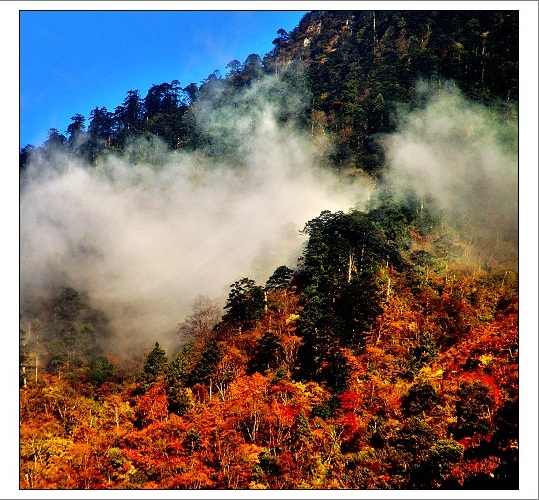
(357, 66)
(379, 352)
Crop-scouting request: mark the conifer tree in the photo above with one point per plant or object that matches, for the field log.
(155, 365)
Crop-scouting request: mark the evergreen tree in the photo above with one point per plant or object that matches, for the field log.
(75, 132)
(473, 409)
(267, 354)
(303, 429)
(245, 304)
(206, 366)
(280, 279)
(155, 365)
(55, 141)
(100, 369)
(420, 398)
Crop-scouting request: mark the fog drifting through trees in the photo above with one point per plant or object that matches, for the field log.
(144, 240)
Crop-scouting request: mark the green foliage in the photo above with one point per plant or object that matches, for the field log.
(205, 367)
(396, 214)
(335, 371)
(411, 446)
(320, 344)
(435, 465)
(355, 72)
(340, 247)
(268, 464)
(178, 369)
(280, 279)
(341, 294)
(72, 332)
(179, 398)
(176, 376)
(192, 441)
(245, 304)
(101, 370)
(473, 409)
(303, 429)
(443, 455)
(75, 132)
(55, 141)
(68, 305)
(326, 410)
(424, 352)
(155, 366)
(357, 307)
(267, 354)
(420, 398)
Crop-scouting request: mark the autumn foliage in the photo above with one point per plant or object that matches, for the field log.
(428, 400)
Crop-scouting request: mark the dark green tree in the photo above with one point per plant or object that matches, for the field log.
(75, 131)
(327, 408)
(73, 332)
(129, 114)
(101, 128)
(280, 279)
(179, 399)
(317, 326)
(340, 247)
(68, 305)
(441, 457)
(176, 376)
(55, 141)
(25, 155)
(252, 68)
(245, 304)
(101, 370)
(268, 464)
(101, 134)
(163, 98)
(155, 365)
(340, 293)
(302, 427)
(192, 441)
(191, 91)
(474, 409)
(357, 306)
(410, 448)
(424, 352)
(205, 367)
(267, 354)
(420, 398)
(129, 118)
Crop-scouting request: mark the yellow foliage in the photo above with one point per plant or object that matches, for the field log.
(427, 372)
(486, 359)
(257, 486)
(292, 318)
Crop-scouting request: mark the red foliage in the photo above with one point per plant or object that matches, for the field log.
(350, 400)
(152, 406)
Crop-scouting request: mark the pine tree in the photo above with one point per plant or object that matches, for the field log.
(207, 364)
(155, 365)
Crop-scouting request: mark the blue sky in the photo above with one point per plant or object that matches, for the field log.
(73, 61)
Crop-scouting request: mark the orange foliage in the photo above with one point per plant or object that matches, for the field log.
(152, 406)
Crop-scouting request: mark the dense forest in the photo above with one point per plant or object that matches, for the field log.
(383, 356)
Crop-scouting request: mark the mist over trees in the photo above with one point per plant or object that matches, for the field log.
(298, 275)
(356, 66)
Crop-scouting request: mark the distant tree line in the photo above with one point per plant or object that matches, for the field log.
(354, 66)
